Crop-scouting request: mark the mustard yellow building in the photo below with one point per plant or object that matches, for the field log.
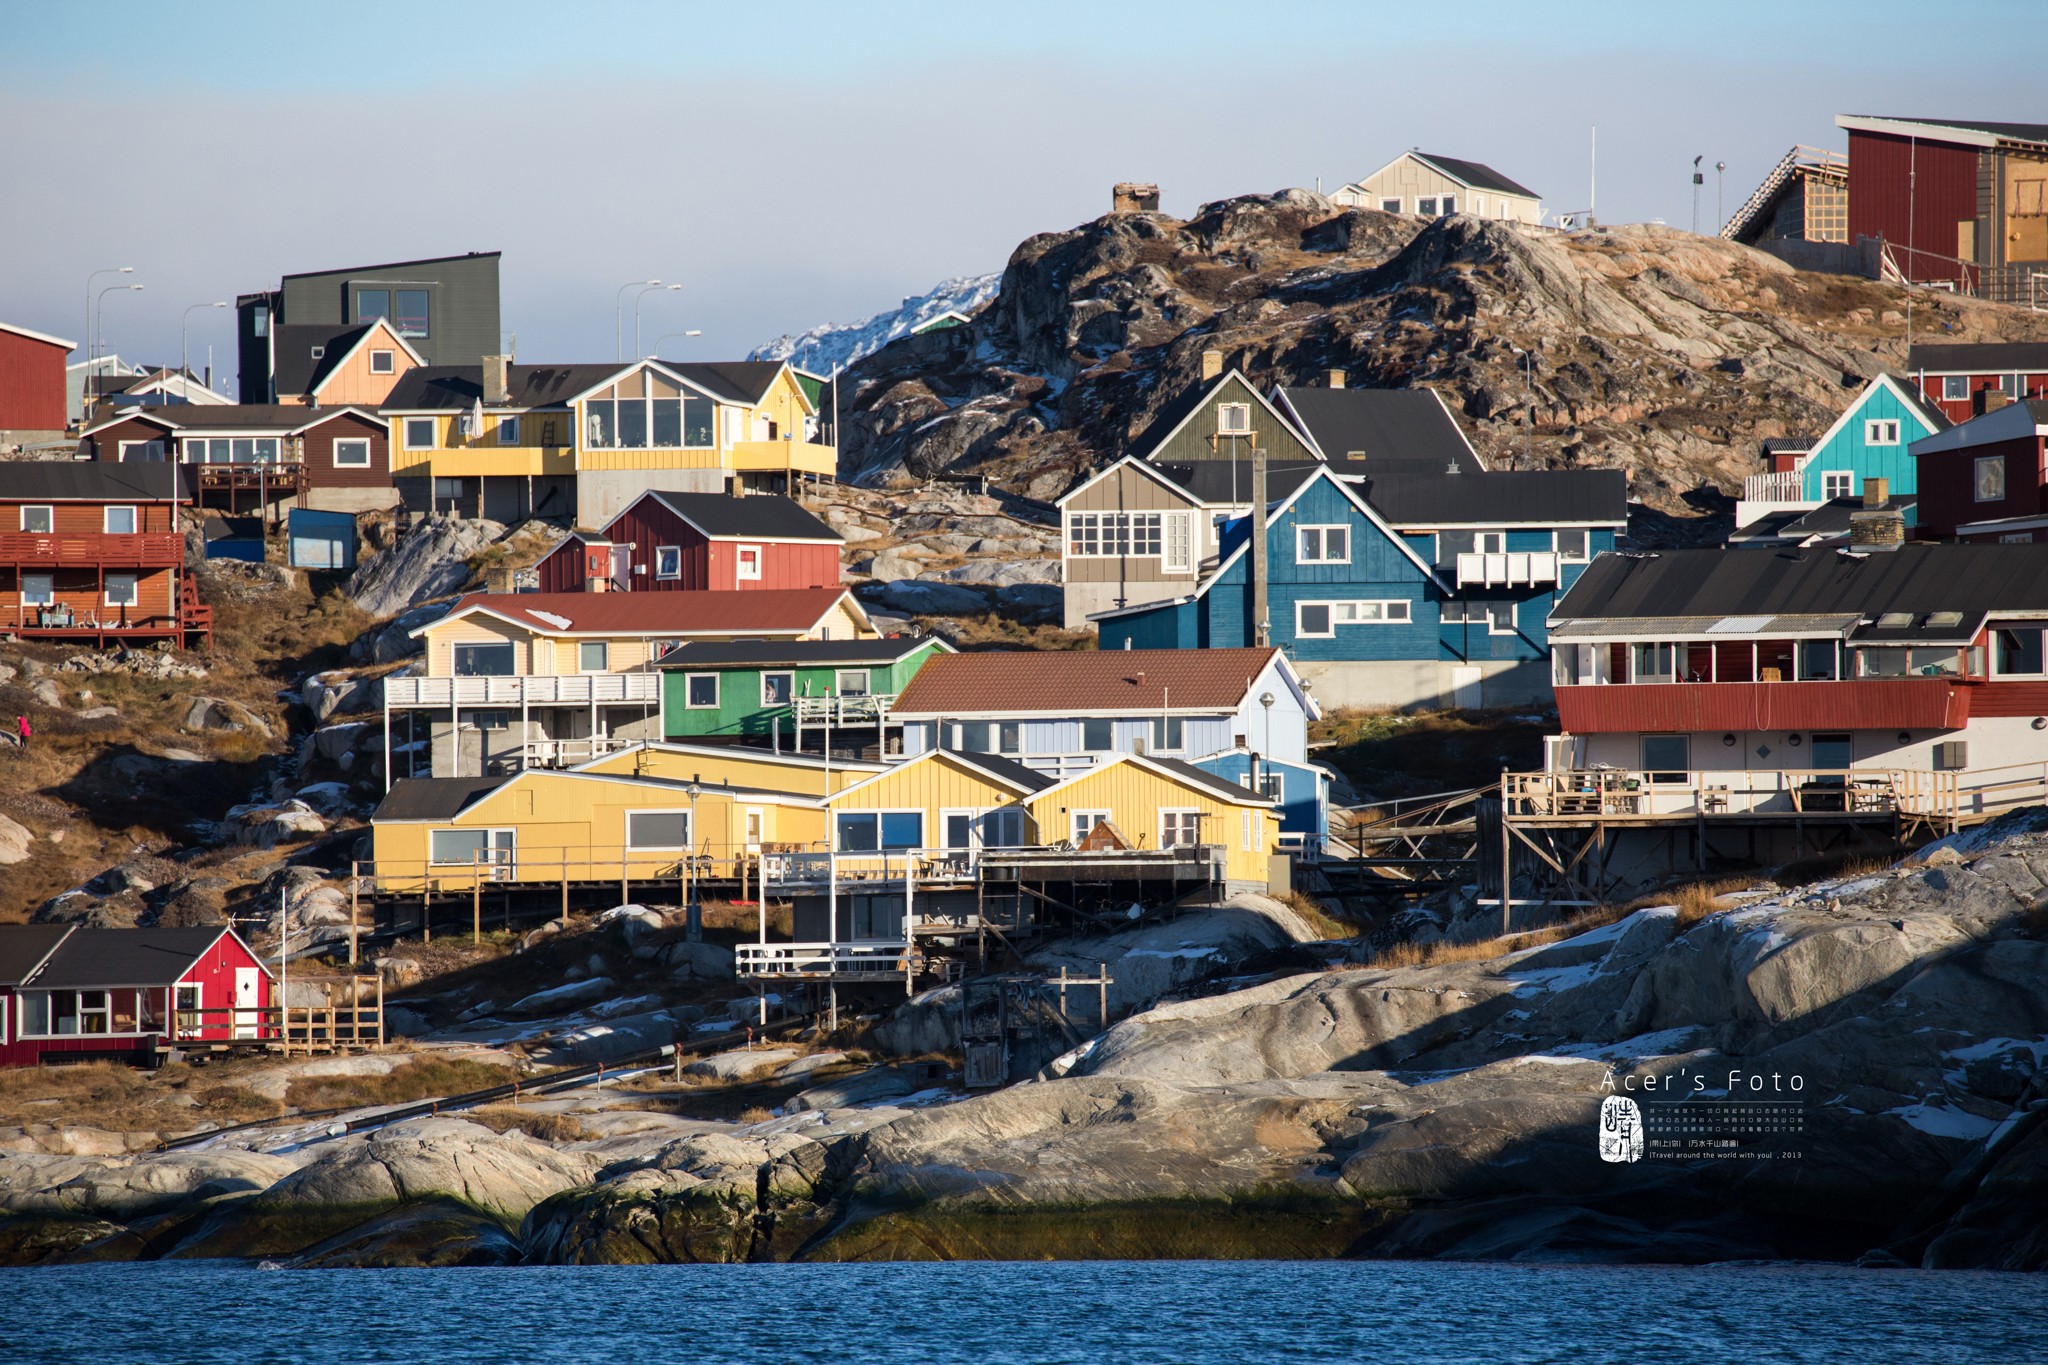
(735, 764)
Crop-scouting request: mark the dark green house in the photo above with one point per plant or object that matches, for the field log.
(780, 691)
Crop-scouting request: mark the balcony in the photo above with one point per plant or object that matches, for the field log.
(1511, 570)
(284, 477)
(569, 689)
(878, 959)
(1592, 794)
(1785, 486)
(842, 710)
(91, 549)
(801, 457)
(1859, 704)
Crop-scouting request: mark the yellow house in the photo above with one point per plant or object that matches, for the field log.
(543, 826)
(496, 440)
(1161, 803)
(940, 800)
(739, 765)
(515, 680)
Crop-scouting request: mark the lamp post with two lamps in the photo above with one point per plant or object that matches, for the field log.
(645, 290)
(619, 311)
(91, 343)
(99, 311)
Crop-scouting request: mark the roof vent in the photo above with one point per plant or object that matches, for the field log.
(1454, 468)
(1944, 618)
(1895, 620)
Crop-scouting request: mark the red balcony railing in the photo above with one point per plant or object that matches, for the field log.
(90, 549)
(1859, 704)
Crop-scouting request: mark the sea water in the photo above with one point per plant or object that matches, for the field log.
(1088, 1313)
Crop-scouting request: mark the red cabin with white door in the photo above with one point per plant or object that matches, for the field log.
(69, 993)
(698, 542)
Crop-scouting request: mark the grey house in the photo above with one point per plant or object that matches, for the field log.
(445, 307)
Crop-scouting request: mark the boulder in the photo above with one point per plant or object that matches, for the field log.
(1002, 573)
(46, 694)
(328, 694)
(16, 843)
(865, 1087)
(698, 961)
(219, 714)
(431, 561)
(329, 798)
(740, 1063)
(267, 826)
(893, 564)
(129, 1188)
(932, 599)
(558, 999)
(1022, 598)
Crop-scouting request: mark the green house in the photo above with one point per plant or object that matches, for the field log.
(770, 690)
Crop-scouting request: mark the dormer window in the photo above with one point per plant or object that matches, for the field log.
(1234, 419)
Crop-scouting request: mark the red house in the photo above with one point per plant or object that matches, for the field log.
(330, 459)
(95, 552)
(1987, 480)
(1966, 381)
(71, 994)
(31, 384)
(694, 542)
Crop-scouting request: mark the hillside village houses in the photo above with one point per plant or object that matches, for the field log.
(1433, 186)
(1872, 438)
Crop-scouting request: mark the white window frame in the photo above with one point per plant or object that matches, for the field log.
(508, 431)
(1322, 532)
(159, 442)
(972, 815)
(1446, 205)
(689, 830)
(1425, 205)
(33, 595)
(1881, 431)
(785, 673)
(1180, 813)
(986, 827)
(134, 594)
(134, 519)
(1388, 611)
(1837, 483)
(668, 561)
(1116, 535)
(1557, 546)
(689, 680)
(1226, 411)
(1176, 544)
(49, 512)
(352, 443)
(1983, 464)
(194, 1009)
(839, 677)
(604, 648)
(1493, 623)
(879, 813)
(1490, 542)
(1076, 832)
(1955, 388)
(1391, 203)
(412, 425)
(740, 556)
(319, 353)
(497, 839)
(383, 362)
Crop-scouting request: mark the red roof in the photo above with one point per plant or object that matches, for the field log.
(761, 611)
(1073, 681)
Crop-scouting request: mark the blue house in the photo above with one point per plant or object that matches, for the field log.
(1301, 788)
(1403, 589)
(1871, 439)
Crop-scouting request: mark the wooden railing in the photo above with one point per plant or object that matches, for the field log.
(539, 689)
(1787, 485)
(842, 710)
(91, 549)
(1592, 792)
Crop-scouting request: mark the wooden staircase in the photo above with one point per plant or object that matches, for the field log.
(195, 618)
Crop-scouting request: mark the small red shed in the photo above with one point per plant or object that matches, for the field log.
(31, 383)
(69, 993)
(698, 542)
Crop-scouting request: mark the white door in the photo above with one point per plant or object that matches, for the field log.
(248, 1000)
(754, 823)
(1465, 686)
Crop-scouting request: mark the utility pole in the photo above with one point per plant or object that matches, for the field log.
(1720, 185)
(1697, 180)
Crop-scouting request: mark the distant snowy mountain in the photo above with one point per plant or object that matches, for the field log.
(838, 344)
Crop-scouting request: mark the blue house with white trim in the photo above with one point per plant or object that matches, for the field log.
(1447, 606)
(1871, 439)
(1301, 788)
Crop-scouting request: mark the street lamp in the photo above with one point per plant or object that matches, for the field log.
(90, 348)
(100, 303)
(655, 354)
(1720, 207)
(693, 922)
(619, 311)
(184, 350)
(1697, 180)
(646, 289)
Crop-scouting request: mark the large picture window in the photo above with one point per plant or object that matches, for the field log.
(484, 661)
(662, 829)
(869, 831)
(352, 454)
(2017, 651)
(1322, 544)
(466, 846)
(122, 590)
(1667, 758)
(1116, 535)
(647, 411)
(231, 450)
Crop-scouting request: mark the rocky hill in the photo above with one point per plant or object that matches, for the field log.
(1648, 349)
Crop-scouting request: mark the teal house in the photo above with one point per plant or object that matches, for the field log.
(1872, 439)
(782, 692)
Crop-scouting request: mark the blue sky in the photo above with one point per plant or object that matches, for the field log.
(798, 163)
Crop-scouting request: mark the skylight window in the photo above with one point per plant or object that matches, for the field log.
(1895, 620)
(1944, 618)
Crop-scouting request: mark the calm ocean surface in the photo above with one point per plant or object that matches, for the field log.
(1410, 1313)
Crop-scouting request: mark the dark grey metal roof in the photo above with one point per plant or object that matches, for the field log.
(1917, 578)
(1788, 444)
(771, 516)
(1363, 430)
(293, 342)
(252, 416)
(1229, 482)
(458, 387)
(1978, 357)
(741, 381)
(1476, 174)
(795, 653)
(125, 957)
(433, 798)
(1504, 497)
(24, 946)
(1007, 769)
(1202, 777)
(1829, 520)
(93, 481)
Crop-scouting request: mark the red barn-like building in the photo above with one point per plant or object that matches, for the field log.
(1958, 202)
(70, 994)
(697, 542)
(1987, 480)
(31, 384)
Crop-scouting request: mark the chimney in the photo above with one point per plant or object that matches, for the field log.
(1336, 379)
(497, 379)
(1261, 627)
(1131, 196)
(1876, 493)
(1872, 530)
(1212, 365)
(733, 487)
(1991, 400)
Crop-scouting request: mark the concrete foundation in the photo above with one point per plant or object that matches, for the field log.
(602, 494)
(1403, 685)
(1084, 599)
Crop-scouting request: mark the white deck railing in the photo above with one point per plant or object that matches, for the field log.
(846, 710)
(567, 689)
(1786, 486)
(885, 957)
(1477, 570)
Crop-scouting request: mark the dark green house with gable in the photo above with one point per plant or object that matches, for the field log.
(782, 692)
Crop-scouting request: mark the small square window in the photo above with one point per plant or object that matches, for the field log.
(777, 688)
(851, 682)
(1426, 207)
(419, 433)
(1390, 206)
(38, 590)
(508, 431)
(749, 562)
(1234, 419)
(40, 521)
(1449, 205)
(121, 590)
(1312, 619)
(1571, 545)
(1955, 388)
(120, 521)
(702, 690)
(1990, 478)
(383, 362)
(1837, 483)
(668, 561)
(352, 454)
(319, 353)
(1881, 431)
(594, 656)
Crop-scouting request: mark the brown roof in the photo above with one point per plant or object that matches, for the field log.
(1069, 682)
(760, 611)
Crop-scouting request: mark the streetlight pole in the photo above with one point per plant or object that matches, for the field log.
(656, 354)
(645, 290)
(1697, 180)
(91, 347)
(693, 916)
(184, 344)
(619, 311)
(1720, 207)
(100, 303)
